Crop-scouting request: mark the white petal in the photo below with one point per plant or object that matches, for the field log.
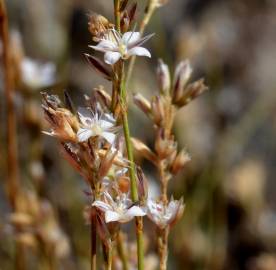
(105, 124)
(86, 116)
(111, 216)
(84, 134)
(104, 45)
(140, 51)
(131, 37)
(135, 211)
(102, 205)
(111, 57)
(110, 137)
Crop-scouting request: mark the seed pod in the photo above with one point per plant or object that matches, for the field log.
(180, 161)
(157, 110)
(103, 96)
(191, 92)
(142, 103)
(99, 66)
(98, 26)
(164, 147)
(182, 75)
(163, 77)
(143, 150)
(142, 185)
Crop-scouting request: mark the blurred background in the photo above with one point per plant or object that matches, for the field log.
(229, 187)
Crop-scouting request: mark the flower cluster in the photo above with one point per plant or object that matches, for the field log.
(92, 141)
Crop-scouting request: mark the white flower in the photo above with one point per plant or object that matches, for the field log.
(164, 215)
(116, 46)
(37, 75)
(121, 210)
(94, 124)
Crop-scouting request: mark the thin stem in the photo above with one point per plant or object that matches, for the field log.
(12, 164)
(121, 251)
(93, 242)
(117, 15)
(150, 10)
(133, 183)
(12, 161)
(110, 253)
(163, 248)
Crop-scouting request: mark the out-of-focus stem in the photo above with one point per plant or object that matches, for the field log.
(93, 242)
(121, 251)
(133, 183)
(163, 248)
(12, 164)
(117, 14)
(150, 10)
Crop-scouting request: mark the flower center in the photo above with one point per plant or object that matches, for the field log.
(97, 129)
(122, 49)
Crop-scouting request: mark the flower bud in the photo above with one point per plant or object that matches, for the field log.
(142, 103)
(157, 110)
(182, 75)
(180, 161)
(191, 92)
(163, 146)
(142, 185)
(163, 77)
(143, 150)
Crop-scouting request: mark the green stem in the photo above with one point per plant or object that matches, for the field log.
(121, 251)
(133, 183)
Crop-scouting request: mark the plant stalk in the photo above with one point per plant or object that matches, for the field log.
(133, 183)
(121, 251)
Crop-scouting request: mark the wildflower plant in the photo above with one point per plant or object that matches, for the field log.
(96, 138)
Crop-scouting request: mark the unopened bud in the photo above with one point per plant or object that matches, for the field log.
(142, 185)
(180, 161)
(143, 150)
(182, 75)
(142, 103)
(164, 147)
(191, 92)
(157, 109)
(163, 77)
(103, 96)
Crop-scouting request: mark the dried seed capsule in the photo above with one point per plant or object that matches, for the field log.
(143, 150)
(163, 77)
(99, 66)
(182, 75)
(142, 185)
(164, 147)
(142, 103)
(98, 25)
(157, 110)
(180, 161)
(191, 92)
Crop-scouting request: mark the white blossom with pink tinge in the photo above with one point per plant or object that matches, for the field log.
(119, 210)
(116, 46)
(95, 124)
(163, 215)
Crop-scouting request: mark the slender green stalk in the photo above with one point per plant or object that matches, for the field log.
(133, 183)
(121, 251)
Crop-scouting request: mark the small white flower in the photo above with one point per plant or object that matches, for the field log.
(37, 75)
(164, 215)
(94, 124)
(121, 210)
(116, 46)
